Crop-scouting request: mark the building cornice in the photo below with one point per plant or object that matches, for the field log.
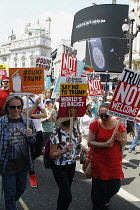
(29, 47)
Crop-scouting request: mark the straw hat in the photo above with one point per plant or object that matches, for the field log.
(62, 119)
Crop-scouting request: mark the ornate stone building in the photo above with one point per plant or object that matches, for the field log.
(21, 52)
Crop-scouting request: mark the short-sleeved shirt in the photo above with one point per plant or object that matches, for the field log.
(3, 96)
(106, 162)
(48, 125)
(67, 158)
(36, 121)
(17, 154)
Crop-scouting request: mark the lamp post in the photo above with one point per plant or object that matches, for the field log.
(106, 80)
(127, 28)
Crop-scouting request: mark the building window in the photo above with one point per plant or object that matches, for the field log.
(15, 63)
(32, 61)
(23, 62)
(4, 59)
(43, 52)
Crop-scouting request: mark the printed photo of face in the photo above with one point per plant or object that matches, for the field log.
(72, 111)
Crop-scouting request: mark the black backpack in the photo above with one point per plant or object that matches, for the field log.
(48, 162)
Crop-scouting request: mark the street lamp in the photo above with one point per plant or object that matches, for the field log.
(106, 80)
(127, 28)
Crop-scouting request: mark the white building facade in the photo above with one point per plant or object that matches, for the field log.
(20, 53)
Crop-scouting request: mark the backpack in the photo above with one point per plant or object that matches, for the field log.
(48, 162)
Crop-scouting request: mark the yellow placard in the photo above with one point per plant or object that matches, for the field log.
(73, 89)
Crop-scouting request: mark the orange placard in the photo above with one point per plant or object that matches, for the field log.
(29, 80)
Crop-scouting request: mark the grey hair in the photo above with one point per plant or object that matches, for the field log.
(10, 98)
(104, 105)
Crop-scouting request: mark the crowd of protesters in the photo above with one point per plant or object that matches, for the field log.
(20, 144)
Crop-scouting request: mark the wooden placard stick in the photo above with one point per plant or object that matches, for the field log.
(116, 128)
(27, 113)
(71, 128)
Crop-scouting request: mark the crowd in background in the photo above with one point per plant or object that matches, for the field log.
(90, 131)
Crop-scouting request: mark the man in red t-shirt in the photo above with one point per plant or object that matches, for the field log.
(4, 93)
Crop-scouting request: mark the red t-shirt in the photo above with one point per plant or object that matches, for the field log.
(3, 96)
(106, 162)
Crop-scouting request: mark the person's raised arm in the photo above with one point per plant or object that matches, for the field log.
(31, 110)
(43, 114)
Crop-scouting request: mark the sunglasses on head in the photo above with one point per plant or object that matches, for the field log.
(6, 81)
(14, 107)
(104, 115)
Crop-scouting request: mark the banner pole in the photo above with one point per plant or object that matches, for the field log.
(27, 113)
(116, 128)
(71, 128)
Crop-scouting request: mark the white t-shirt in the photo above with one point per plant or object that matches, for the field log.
(85, 122)
(37, 121)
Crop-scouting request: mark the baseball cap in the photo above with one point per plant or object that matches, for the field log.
(48, 100)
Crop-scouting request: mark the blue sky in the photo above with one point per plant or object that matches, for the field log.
(16, 14)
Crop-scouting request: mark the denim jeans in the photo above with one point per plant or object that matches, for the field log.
(14, 186)
(64, 176)
(102, 191)
(136, 139)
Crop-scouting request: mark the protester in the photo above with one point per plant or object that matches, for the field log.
(38, 113)
(85, 122)
(47, 94)
(15, 154)
(137, 137)
(109, 96)
(48, 122)
(63, 154)
(4, 93)
(107, 158)
(94, 107)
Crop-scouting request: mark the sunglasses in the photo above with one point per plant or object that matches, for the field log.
(14, 107)
(6, 81)
(104, 115)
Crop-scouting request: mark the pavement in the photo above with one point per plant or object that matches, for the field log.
(45, 196)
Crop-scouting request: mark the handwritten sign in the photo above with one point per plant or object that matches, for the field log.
(44, 62)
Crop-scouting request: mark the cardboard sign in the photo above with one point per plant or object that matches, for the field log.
(87, 69)
(73, 93)
(94, 85)
(2, 72)
(126, 100)
(47, 83)
(44, 62)
(29, 80)
(80, 67)
(56, 90)
(68, 66)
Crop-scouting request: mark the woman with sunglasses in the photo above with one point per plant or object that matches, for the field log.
(107, 158)
(15, 154)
